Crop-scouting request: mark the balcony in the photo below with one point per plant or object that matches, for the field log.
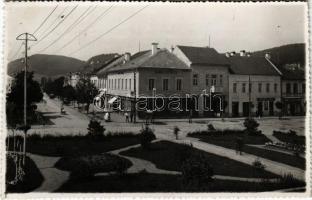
(293, 95)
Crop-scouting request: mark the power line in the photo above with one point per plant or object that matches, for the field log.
(53, 22)
(38, 28)
(91, 24)
(99, 37)
(44, 21)
(72, 10)
(67, 30)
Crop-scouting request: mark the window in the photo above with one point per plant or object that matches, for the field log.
(268, 87)
(179, 84)
(288, 88)
(234, 87)
(151, 84)
(126, 83)
(214, 79)
(122, 82)
(243, 87)
(303, 88)
(118, 86)
(259, 87)
(295, 88)
(221, 80)
(250, 87)
(115, 85)
(165, 84)
(130, 80)
(275, 87)
(195, 79)
(207, 79)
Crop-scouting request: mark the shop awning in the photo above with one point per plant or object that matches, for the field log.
(112, 100)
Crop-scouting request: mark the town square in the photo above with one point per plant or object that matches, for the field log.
(143, 97)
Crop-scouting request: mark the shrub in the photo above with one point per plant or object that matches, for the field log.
(196, 172)
(258, 167)
(176, 131)
(87, 165)
(289, 181)
(146, 137)
(184, 152)
(95, 129)
(251, 126)
(211, 128)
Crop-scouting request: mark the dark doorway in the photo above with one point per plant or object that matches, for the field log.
(235, 109)
(260, 108)
(245, 109)
(271, 108)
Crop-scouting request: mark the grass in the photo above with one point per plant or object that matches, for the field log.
(145, 182)
(287, 137)
(86, 166)
(75, 145)
(167, 155)
(32, 179)
(229, 141)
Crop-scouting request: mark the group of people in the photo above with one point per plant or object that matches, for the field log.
(129, 116)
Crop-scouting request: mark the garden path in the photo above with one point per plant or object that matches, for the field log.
(53, 178)
(272, 166)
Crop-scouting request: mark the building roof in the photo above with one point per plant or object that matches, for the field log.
(96, 63)
(104, 69)
(162, 59)
(252, 65)
(203, 55)
(292, 74)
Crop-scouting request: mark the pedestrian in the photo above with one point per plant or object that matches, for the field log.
(127, 116)
(131, 116)
(190, 116)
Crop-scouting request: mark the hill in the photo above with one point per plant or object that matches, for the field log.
(286, 54)
(47, 65)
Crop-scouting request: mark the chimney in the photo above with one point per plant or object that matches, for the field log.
(171, 49)
(127, 56)
(242, 53)
(267, 56)
(154, 48)
(227, 54)
(232, 53)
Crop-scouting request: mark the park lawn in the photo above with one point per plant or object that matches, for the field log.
(32, 179)
(75, 145)
(287, 138)
(229, 141)
(167, 155)
(146, 182)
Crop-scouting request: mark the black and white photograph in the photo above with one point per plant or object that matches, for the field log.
(156, 98)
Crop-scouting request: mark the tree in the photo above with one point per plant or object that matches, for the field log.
(85, 91)
(57, 86)
(69, 93)
(34, 94)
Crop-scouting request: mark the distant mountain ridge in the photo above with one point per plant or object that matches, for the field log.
(286, 54)
(47, 65)
(95, 63)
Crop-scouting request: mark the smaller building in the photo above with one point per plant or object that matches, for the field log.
(293, 91)
(254, 86)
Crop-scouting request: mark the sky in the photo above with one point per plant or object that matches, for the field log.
(130, 27)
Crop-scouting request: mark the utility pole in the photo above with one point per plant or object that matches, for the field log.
(26, 37)
(249, 97)
(135, 97)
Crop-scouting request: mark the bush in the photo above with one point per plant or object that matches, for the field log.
(251, 126)
(258, 167)
(86, 166)
(95, 129)
(196, 172)
(288, 181)
(211, 128)
(146, 137)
